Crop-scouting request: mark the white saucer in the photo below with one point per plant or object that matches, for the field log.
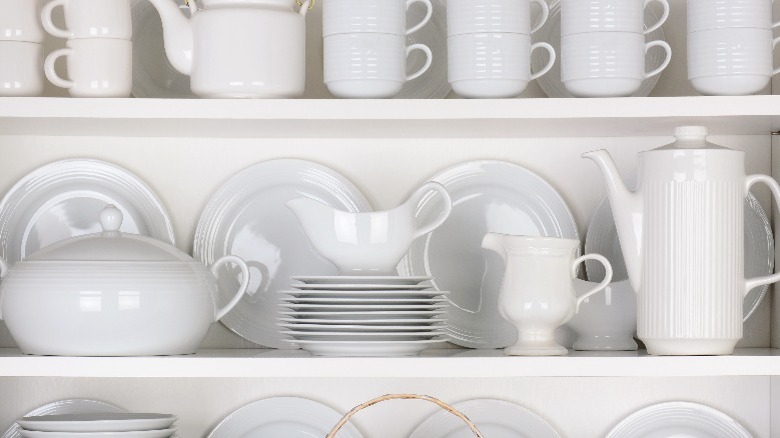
(344, 328)
(366, 348)
(339, 300)
(378, 322)
(364, 287)
(360, 307)
(366, 294)
(164, 433)
(678, 419)
(358, 279)
(69, 406)
(97, 422)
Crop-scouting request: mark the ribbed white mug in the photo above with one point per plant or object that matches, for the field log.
(719, 14)
(483, 16)
(583, 16)
(379, 16)
(90, 19)
(97, 67)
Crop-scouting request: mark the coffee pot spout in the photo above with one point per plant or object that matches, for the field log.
(177, 34)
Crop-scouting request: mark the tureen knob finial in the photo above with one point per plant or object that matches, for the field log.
(110, 218)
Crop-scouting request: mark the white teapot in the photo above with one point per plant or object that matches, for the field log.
(238, 48)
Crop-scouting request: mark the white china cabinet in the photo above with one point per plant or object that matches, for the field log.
(185, 149)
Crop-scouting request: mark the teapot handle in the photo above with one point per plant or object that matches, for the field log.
(598, 288)
(417, 196)
(772, 184)
(241, 289)
(4, 267)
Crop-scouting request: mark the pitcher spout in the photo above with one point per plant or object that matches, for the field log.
(177, 34)
(627, 209)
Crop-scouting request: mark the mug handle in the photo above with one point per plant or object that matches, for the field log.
(664, 15)
(425, 20)
(772, 184)
(241, 289)
(428, 59)
(48, 68)
(774, 46)
(417, 196)
(598, 288)
(48, 23)
(668, 58)
(550, 63)
(543, 17)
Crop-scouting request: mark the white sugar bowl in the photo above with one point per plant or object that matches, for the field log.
(112, 294)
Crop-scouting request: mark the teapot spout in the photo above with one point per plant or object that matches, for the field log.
(495, 243)
(177, 34)
(627, 210)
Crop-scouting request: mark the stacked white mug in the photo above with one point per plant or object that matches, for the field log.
(21, 50)
(730, 46)
(489, 46)
(98, 51)
(603, 46)
(364, 46)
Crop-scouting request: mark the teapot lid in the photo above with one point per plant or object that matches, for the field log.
(110, 245)
(691, 137)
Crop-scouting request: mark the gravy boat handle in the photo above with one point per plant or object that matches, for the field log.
(417, 196)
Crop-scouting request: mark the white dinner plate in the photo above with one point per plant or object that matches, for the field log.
(69, 406)
(97, 422)
(360, 279)
(361, 294)
(360, 307)
(678, 419)
(365, 287)
(493, 418)
(282, 417)
(551, 33)
(340, 300)
(344, 328)
(367, 348)
(602, 239)
(164, 433)
(487, 196)
(64, 199)
(379, 322)
(247, 217)
(363, 314)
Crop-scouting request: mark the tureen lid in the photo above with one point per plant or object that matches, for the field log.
(110, 245)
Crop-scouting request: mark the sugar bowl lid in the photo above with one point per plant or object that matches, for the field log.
(110, 245)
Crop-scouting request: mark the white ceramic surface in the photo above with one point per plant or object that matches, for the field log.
(367, 348)
(68, 406)
(493, 418)
(537, 292)
(488, 16)
(361, 287)
(288, 417)
(89, 19)
(21, 71)
(602, 238)
(605, 321)
(64, 199)
(20, 20)
(493, 65)
(359, 279)
(368, 243)
(718, 14)
(607, 64)
(379, 323)
(685, 256)
(369, 65)
(304, 327)
(584, 16)
(363, 293)
(679, 419)
(375, 16)
(163, 433)
(338, 299)
(487, 196)
(362, 315)
(358, 307)
(97, 422)
(96, 67)
(551, 33)
(731, 61)
(247, 217)
(227, 48)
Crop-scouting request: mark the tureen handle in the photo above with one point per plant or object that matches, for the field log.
(241, 289)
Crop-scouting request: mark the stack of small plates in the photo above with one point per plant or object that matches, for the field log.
(363, 315)
(98, 425)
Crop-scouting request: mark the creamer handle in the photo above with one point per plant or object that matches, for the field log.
(241, 289)
(417, 197)
(604, 283)
(769, 181)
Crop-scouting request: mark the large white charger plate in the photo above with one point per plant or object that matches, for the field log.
(164, 433)
(493, 418)
(602, 239)
(487, 196)
(551, 33)
(282, 417)
(97, 422)
(64, 199)
(69, 406)
(367, 348)
(678, 419)
(247, 217)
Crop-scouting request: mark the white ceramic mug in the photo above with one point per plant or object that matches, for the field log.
(493, 65)
(20, 20)
(582, 16)
(607, 64)
(379, 16)
(21, 68)
(369, 65)
(97, 67)
(480, 16)
(718, 14)
(731, 61)
(90, 19)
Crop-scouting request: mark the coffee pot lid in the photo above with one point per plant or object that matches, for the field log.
(691, 137)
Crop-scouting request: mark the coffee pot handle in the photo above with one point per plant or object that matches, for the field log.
(598, 288)
(417, 196)
(241, 289)
(775, 188)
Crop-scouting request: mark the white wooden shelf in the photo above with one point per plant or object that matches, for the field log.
(447, 363)
(333, 118)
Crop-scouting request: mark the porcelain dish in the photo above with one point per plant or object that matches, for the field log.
(105, 422)
(683, 419)
(67, 406)
(164, 433)
(357, 348)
